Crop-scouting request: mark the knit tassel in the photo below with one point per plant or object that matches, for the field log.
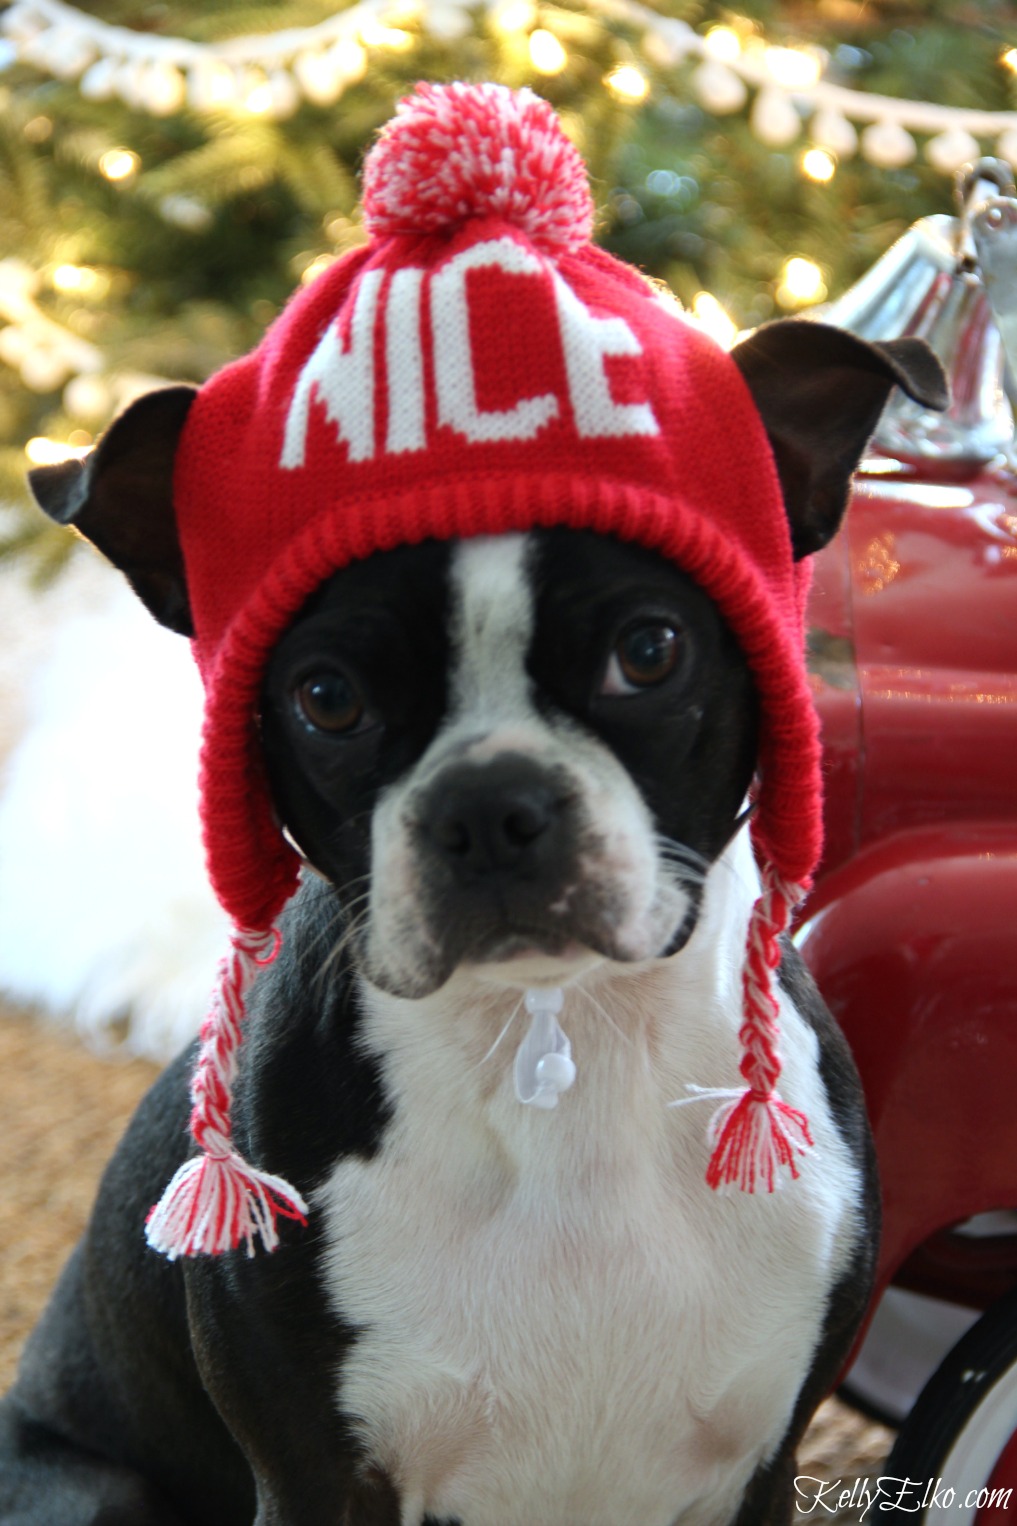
(752, 1138)
(217, 1199)
(755, 1134)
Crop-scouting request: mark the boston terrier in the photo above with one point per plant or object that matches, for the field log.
(536, 1247)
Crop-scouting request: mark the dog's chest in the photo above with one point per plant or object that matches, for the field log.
(560, 1324)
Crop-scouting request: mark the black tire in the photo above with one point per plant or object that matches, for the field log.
(965, 1415)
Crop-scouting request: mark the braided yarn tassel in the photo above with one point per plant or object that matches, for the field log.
(756, 1134)
(216, 1199)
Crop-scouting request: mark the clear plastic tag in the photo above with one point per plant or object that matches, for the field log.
(544, 1067)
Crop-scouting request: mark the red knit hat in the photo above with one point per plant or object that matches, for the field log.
(479, 367)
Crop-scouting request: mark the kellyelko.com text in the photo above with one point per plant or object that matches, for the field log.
(819, 1497)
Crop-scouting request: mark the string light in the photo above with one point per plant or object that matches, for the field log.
(1009, 60)
(77, 279)
(546, 53)
(43, 452)
(88, 397)
(714, 319)
(375, 34)
(510, 17)
(43, 368)
(258, 97)
(349, 58)
(48, 356)
(628, 82)
(211, 85)
(794, 68)
(119, 165)
(315, 268)
(801, 283)
(818, 164)
(165, 90)
(723, 43)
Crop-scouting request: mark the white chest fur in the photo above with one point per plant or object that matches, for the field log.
(562, 1324)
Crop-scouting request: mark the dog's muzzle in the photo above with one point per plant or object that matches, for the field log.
(501, 827)
(507, 855)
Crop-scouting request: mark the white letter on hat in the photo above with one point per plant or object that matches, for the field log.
(344, 379)
(453, 361)
(404, 362)
(586, 339)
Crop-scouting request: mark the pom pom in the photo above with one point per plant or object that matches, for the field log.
(456, 152)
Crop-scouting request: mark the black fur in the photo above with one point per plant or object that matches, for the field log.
(585, 596)
(132, 1345)
(770, 1498)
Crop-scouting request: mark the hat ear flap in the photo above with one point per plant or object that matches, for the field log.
(121, 499)
(820, 392)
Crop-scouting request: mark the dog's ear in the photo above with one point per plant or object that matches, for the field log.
(820, 391)
(121, 498)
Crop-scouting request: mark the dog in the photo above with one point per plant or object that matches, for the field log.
(514, 767)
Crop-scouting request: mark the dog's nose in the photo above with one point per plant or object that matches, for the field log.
(504, 815)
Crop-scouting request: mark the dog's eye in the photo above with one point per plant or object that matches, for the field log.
(330, 702)
(644, 655)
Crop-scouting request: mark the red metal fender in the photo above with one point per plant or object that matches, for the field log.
(913, 944)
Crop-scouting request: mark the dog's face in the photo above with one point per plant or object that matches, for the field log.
(518, 753)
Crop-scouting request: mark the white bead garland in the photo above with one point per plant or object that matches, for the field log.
(888, 145)
(161, 74)
(774, 119)
(948, 151)
(1006, 145)
(718, 88)
(828, 129)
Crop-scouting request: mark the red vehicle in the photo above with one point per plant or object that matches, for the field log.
(911, 931)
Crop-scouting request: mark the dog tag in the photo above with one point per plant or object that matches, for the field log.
(544, 1067)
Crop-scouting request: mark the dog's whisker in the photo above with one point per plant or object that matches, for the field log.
(332, 961)
(681, 878)
(340, 915)
(355, 926)
(512, 1017)
(352, 914)
(625, 1037)
(344, 902)
(679, 853)
(694, 865)
(693, 870)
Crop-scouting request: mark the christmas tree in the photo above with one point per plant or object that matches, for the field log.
(169, 171)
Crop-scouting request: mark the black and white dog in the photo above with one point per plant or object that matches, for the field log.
(497, 1316)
